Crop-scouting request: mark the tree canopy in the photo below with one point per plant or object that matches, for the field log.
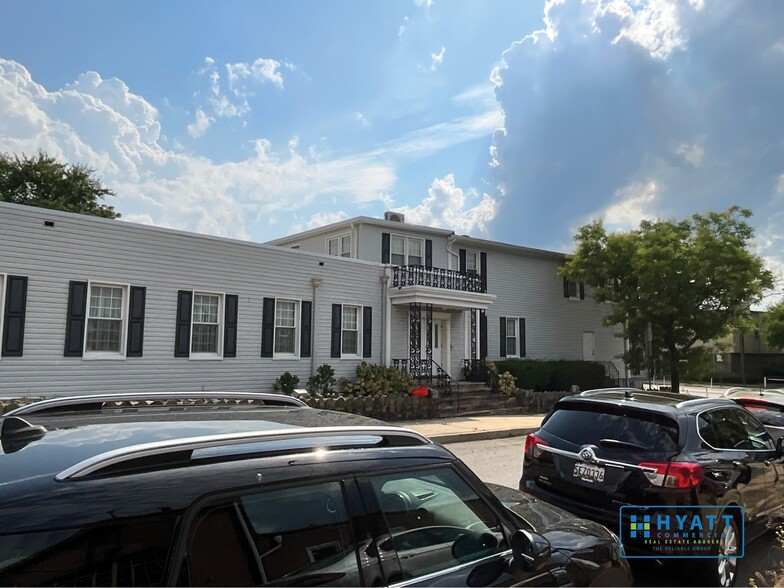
(671, 283)
(774, 326)
(44, 181)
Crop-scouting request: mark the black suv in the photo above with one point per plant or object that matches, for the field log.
(253, 489)
(605, 449)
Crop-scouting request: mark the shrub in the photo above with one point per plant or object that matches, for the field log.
(507, 384)
(324, 380)
(374, 380)
(544, 375)
(286, 383)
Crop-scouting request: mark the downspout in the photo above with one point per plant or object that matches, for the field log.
(449, 242)
(315, 282)
(354, 241)
(385, 322)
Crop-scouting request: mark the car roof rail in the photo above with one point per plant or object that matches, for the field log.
(121, 400)
(135, 456)
(739, 390)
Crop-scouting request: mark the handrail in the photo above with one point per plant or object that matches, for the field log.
(479, 370)
(444, 377)
(133, 452)
(74, 402)
(435, 277)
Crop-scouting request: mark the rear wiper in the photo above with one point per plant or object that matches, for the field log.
(621, 444)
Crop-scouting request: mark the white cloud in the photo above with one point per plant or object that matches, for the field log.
(437, 58)
(654, 25)
(450, 207)
(634, 203)
(362, 120)
(780, 185)
(404, 27)
(320, 219)
(198, 127)
(262, 71)
(102, 124)
(425, 3)
(692, 153)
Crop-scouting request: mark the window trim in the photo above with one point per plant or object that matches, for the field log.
(3, 284)
(358, 354)
(297, 328)
(339, 247)
(478, 258)
(406, 249)
(209, 355)
(516, 321)
(107, 355)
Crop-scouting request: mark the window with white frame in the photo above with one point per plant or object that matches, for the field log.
(350, 331)
(285, 327)
(106, 320)
(472, 262)
(339, 246)
(406, 250)
(511, 337)
(206, 323)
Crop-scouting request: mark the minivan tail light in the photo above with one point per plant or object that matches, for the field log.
(532, 445)
(674, 474)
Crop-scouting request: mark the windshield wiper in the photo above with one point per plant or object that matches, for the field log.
(621, 444)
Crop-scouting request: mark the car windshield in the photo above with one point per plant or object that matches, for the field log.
(614, 431)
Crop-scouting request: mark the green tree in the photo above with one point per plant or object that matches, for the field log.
(48, 183)
(671, 284)
(774, 326)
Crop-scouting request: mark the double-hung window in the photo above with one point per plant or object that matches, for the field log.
(339, 246)
(406, 250)
(511, 337)
(350, 331)
(285, 327)
(106, 320)
(206, 323)
(472, 262)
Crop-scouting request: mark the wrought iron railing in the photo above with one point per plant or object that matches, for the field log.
(477, 370)
(611, 372)
(415, 275)
(421, 371)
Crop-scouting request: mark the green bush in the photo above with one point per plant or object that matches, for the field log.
(286, 383)
(544, 375)
(374, 380)
(323, 382)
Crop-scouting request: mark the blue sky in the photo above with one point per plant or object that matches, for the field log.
(515, 121)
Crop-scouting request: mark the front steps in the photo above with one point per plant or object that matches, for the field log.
(475, 398)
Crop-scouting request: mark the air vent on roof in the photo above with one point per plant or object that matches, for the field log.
(397, 217)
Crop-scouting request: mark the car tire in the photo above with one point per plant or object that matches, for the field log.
(722, 568)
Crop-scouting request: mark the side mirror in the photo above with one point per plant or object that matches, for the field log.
(531, 551)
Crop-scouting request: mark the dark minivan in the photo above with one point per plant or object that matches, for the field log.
(606, 449)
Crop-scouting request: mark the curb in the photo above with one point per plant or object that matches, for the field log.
(448, 438)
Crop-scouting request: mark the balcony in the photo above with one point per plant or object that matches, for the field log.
(417, 275)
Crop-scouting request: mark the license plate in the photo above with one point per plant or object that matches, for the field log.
(589, 472)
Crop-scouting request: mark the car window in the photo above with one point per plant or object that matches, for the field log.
(435, 521)
(132, 552)
(285, 537)
(731, 428)
(589, 427)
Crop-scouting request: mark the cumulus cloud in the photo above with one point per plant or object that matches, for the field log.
(199, 126)
(437, 58)
(613, 97)
(104, 125)
(450, 207)
(261, 71)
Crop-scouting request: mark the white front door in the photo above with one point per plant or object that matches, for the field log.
(589, 348)
(440, 342)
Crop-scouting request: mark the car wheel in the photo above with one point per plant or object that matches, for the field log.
(722, 569)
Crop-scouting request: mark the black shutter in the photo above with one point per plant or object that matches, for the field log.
(582, 291)
(566, 288)
(75, 320)
(337, 325)
(367, 331)
(306, 320)
(136, 304)
(13, 323)
(503, 337)
(462, 253)
(482, 334)
(230, 325)
(428, 253)
(182, 336)
(268, 327)
(483, 264)
(522, 337)
(384, 247)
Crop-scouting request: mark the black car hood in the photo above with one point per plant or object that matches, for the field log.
(557, 525)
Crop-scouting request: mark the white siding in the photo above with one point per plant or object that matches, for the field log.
(370, 243)
(82, 248)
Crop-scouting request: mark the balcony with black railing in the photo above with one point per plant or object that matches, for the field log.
(436, 277)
